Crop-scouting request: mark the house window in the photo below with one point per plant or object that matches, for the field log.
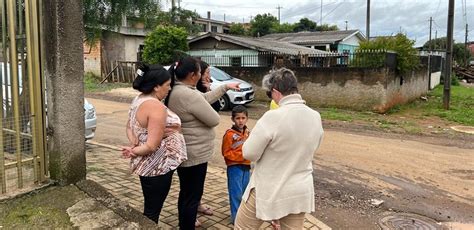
(236, 61)
(204, 28)
(214, 29)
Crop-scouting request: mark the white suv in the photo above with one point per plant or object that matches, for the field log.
(243, 96)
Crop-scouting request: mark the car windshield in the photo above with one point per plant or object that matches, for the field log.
(219, 74)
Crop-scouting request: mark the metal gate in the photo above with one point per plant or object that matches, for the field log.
(23, 127)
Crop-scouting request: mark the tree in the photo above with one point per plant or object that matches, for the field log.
(461, 54)
(326, 27)
(164, 44)
(284, 28)
(262, 24)
(179, 17)
(237, 29)
(305, 24)
(100, 14)
(436, 44)
(407, 58)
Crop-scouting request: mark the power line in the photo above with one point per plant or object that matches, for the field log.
(309, 9)
(340, 4)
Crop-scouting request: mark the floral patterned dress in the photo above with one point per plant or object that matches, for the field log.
(171, 152)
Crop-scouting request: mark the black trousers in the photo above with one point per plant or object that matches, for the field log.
(191, 184)
(155, 190)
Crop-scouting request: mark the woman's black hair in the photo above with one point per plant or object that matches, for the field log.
(199, 85)
(180, 70)
(149, 76)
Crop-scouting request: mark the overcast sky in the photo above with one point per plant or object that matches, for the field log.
(387, 16)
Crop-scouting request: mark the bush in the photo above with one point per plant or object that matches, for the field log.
(407, 58)
(164, 44)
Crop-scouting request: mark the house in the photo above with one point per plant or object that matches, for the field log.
(471, 48)
(230, 50)
(120, 45)
(211, 25)
(345, 41)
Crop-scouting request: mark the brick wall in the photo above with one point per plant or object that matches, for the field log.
(92, 58)
(354, 88)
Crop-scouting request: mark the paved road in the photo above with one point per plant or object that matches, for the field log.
(431, 180)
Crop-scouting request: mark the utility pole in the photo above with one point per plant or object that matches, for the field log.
(449, 55)
(346, 25)
(430, 48)
(367, 26)
(224, 17)
(279, 7)
(173, 4)
(465, 45)
(321, 15)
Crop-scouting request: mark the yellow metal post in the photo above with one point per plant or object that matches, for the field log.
(11, 5)
(31, 75)
(39, 89)
(2, 155)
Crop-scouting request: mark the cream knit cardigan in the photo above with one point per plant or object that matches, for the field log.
(281, 146)
(198, 120)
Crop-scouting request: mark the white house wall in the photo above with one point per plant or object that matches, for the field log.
(131, 47)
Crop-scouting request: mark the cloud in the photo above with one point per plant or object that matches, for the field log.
(387, 16)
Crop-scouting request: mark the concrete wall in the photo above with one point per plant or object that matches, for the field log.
(119, 47)
(131, 47)
(354, 88)
(435, 79)
(404, 88)
(92, 58)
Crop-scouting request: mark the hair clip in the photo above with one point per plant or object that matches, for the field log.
(140, 72)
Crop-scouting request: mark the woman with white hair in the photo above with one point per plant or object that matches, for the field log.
(281, 147)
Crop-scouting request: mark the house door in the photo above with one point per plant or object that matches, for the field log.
(22, 126)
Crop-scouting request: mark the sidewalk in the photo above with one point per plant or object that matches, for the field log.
(106, 167)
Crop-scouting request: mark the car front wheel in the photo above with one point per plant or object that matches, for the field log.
(225, 103)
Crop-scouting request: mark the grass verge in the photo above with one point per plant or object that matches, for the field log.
(92, 84)
(45, 209)
(408, 117)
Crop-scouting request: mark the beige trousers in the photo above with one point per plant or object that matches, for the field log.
(247, 217)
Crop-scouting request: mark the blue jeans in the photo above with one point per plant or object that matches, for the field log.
(237, 180)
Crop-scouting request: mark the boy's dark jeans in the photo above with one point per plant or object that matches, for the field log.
(237, 180)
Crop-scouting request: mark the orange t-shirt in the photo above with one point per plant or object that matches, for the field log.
(232, 146)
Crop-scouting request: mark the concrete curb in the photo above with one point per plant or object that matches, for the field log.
(99, 193)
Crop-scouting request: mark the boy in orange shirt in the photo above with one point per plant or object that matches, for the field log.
(238, 169)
